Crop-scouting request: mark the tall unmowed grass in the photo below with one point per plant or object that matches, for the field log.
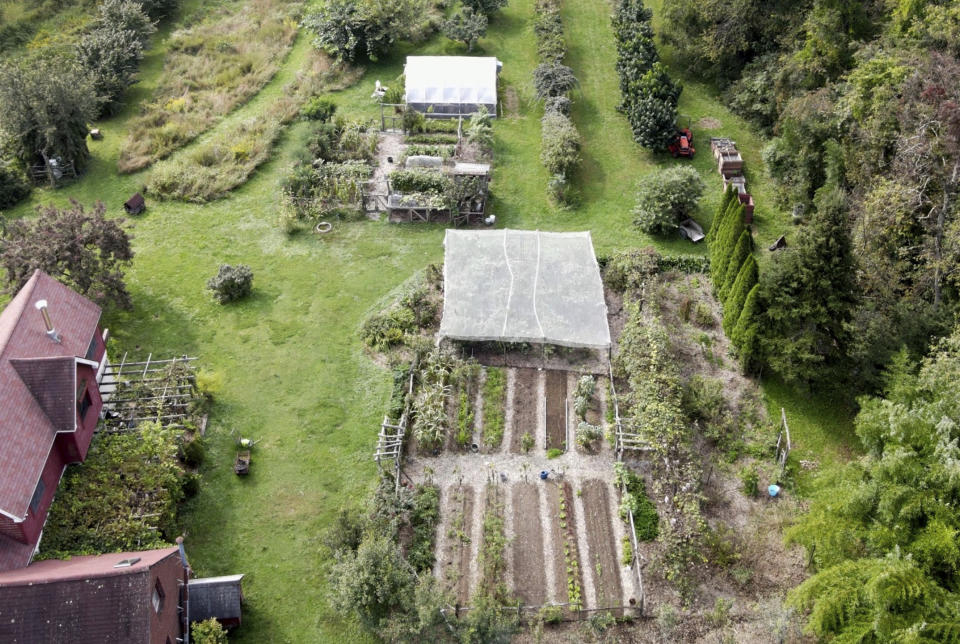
(212, 169)
(211, 68)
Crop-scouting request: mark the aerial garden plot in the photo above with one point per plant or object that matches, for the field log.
(562, 487)
(692, 315)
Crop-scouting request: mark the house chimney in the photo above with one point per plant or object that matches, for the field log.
(51, 332)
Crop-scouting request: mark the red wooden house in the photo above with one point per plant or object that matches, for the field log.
(124, 598)
(52, 355)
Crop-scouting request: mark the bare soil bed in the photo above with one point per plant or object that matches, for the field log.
(556, 409)
(529, 575)
(604, 561)
(456, 553)
(524, 407)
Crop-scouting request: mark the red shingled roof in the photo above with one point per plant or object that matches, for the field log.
(29, 420)
(57, 601)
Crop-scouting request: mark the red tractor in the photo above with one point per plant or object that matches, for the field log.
(682, 145)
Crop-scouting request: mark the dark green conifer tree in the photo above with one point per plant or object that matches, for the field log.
(733, 305)
(740, 253)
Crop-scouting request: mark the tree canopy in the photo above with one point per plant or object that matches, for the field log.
(84, 250)
(47, 104)
(882, 534)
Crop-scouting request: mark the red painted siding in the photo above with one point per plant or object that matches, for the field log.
(11, 529)
(51, 479)
(170, 574)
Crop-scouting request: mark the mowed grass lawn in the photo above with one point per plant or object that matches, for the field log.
(295, 374)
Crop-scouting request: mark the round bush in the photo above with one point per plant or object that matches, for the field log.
(231, 283)
(318, 108)
(194, 452)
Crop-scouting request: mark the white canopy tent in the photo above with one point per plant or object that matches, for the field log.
(523, 286)
(451, 85)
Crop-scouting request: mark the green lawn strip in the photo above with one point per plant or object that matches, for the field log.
(821, 428)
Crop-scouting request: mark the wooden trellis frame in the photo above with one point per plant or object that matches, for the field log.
(390, 439)
(783, 442)
(147, 391)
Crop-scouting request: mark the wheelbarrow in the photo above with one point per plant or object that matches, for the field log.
(242, 464)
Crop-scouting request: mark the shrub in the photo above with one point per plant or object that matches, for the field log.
(745, 335)
(554, 452)
(190, 485)
(110, 56)
(666, 197)
(587, 433)
(385, 330)
(583, 394)
(553, 79)
(194, 452)
(750, 479)
(627, 547)
(231, 283)
(703, 315)
(479, 129)
(629, 270)
(413, 121)
(486, 7)
(560, 151)
(209, 631)
(419, 180)
(558, 104)
(318, 108)
(13, 185)
(635, 499)
(526, 442)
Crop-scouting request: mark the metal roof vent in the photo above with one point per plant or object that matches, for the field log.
(41, 306)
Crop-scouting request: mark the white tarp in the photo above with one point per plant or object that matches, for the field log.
(468, 81)
(523, 286)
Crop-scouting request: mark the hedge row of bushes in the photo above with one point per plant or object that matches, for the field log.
(560, 151)
(650, 96)
(735, 276)
(628, 270)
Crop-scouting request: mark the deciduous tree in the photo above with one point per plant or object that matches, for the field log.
(466, 26)
(46, 105)
(84, 250)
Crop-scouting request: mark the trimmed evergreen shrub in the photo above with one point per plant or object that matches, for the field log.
(745, 335)
(725, 243)
(733, 305)
(728, 197)
(740, 253)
